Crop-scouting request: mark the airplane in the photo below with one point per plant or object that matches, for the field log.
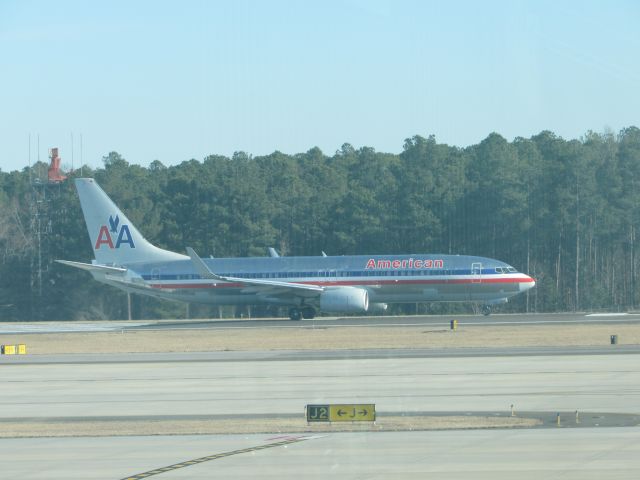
(305, 285)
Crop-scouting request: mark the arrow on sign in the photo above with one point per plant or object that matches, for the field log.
(358, 412)
(362, 413)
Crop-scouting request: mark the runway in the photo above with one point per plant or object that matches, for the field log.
(184, 386)
(405, 321)
(324, 322)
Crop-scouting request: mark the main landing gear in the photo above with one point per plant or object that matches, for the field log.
(296, 313)
(486, 310)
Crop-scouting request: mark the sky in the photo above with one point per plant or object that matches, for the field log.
(172, 81)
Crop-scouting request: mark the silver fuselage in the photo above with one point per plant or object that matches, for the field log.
(387, 278)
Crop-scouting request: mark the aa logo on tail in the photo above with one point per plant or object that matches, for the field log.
(121, 234)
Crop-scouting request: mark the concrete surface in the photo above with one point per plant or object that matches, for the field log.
(612, 453)
(602, 383)
(183, 387)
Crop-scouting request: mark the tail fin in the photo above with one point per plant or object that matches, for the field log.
(115, 240)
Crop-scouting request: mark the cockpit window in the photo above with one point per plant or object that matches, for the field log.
(512, 270)
(500, 270)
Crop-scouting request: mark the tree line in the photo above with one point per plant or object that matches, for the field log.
(564, 211)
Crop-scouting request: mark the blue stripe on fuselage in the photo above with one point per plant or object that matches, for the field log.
(326, 274)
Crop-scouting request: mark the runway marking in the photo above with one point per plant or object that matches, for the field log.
(195, 461)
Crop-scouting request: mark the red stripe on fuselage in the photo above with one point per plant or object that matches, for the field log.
(355, 283)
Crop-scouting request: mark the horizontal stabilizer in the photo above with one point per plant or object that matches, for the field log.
(95, 268)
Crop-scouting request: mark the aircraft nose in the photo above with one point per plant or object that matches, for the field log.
(527, 283)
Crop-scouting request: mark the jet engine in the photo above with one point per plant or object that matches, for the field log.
(344, 300)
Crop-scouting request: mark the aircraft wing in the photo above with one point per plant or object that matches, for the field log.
(259, 286)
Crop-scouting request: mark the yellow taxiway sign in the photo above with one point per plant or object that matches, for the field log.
(352, 412)
(345, 412)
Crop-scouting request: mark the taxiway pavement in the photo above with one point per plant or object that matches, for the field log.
(611, 453)
(398, 381)
(603, 383)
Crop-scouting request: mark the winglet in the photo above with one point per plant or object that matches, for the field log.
(201, 267)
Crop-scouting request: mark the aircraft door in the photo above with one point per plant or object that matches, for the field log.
(155, 274)
(476, 272)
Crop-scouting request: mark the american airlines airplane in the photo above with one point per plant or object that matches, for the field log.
(306, 285)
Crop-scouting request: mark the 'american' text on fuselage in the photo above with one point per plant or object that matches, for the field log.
(404, 263)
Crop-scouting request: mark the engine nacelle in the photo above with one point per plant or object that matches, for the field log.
(378, 307)
(344, 300)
